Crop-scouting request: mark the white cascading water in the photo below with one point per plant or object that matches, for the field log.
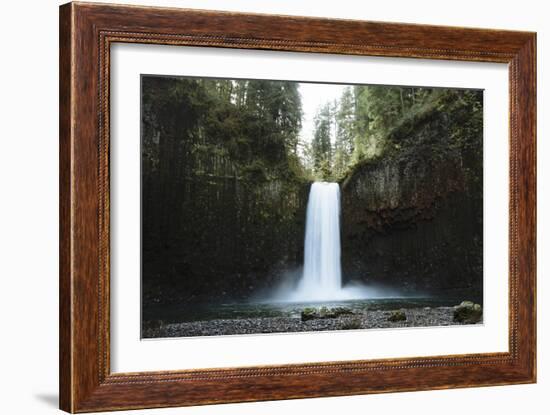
(322, 273)
(322, 277)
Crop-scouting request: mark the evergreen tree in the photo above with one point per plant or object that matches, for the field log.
(345, 131)
(321, 143)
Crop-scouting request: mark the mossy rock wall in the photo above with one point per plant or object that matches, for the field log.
(219, 235)
(412, 218)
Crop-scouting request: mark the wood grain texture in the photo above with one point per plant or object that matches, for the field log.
(65, 250)
(86, 33)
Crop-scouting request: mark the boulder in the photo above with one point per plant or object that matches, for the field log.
(398, 315)
(467, 312)
(310, 313)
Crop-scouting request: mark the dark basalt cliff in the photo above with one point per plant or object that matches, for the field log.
(222, 206)
(412, 217)
(235, 237)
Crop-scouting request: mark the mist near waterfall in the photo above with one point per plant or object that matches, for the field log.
(321, 276)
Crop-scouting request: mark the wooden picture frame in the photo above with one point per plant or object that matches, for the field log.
(86, 33)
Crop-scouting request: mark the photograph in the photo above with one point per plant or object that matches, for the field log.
(276, 206)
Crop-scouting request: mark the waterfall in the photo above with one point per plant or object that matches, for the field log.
(322, 270)
(322, 274)
(321, 279)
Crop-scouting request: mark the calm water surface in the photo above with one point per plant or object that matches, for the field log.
(202, 312)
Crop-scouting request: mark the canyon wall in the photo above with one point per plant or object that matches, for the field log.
(412, 218)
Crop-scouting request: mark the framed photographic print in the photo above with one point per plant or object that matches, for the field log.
(258, 207)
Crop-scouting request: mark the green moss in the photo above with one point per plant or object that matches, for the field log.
(397, 316)
(310, 313)
(467, 312)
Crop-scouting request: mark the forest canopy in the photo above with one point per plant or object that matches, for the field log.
(257, 124)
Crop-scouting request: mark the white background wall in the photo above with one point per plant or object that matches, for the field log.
(29, 207)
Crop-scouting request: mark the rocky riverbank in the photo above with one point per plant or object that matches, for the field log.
(373, 319)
